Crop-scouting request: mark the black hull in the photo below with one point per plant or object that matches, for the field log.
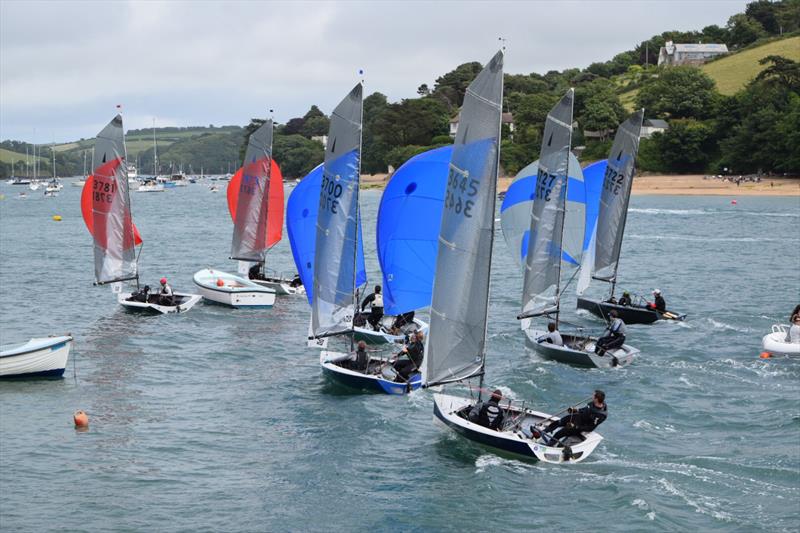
(628, 314)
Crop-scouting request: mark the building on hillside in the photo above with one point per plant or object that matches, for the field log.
(653, 125)
(672, 54)
(322, 139)
(508, 119)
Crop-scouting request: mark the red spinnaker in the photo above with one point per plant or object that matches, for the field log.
(92, 211)
(274, 205)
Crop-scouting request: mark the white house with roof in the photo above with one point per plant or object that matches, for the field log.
(672, 54)
(508, 119)
(653, 125)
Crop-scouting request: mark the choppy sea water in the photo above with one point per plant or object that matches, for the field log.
(221, 420)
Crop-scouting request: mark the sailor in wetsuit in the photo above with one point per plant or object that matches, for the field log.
(255, 272)
(414, 351)
(165, 295)
(659, 304)
(489, 414)
(614, 338)
(625, 299)
(375, 301)
(578, 421)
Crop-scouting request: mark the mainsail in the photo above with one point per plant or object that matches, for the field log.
(301, 228)
(252, 188)
(334, 302)
(615, 197)
(106, 208)
(408, 230)
(456, 347)
(543, 262)
(274, 202)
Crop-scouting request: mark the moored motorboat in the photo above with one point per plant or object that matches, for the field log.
(778, 343)
(230, 289)
(38, 358)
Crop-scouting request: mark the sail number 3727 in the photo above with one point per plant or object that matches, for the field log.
(459, 192)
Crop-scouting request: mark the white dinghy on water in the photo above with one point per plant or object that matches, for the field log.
(106, 209)
(542, 290)
(250, 230)
(780, 342)
(38, 358)
(456, 349)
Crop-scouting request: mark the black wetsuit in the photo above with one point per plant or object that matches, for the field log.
(255, 272)
(413, 361)
(624, 300)
(614, 339)
(661, 305)
(403, 320)
(490, 415)
(584, 419)
(375, 313)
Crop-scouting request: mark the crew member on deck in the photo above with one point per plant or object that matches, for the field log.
(414, 351)
(401, 320)
(614, 338)
(625, 299)
(581, 420)
(165, 296)
(255, 272)
(659, 304)
(375, 301)
(552, 336)
(489, 414)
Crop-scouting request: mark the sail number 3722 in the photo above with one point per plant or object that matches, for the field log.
(459, 192)
(613, 180)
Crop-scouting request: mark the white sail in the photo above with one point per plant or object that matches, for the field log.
(456, 344)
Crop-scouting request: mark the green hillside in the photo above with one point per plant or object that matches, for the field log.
(7, 156)
(733, 72)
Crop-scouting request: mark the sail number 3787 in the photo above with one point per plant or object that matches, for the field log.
(459, 192)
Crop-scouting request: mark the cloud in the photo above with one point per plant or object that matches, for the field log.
(64, 65)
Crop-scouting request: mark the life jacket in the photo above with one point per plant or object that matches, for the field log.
(377, 301)
(490, 415)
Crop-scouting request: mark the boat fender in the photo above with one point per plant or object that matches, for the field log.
(81, 420)
(220, 283)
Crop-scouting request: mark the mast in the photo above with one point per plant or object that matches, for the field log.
(53, 149)
(84, 164)
(356, 303)
(563, 209)
(155, 150)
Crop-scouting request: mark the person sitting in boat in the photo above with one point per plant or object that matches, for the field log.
(360, 359)
(614, 337)
(375, 301)
(296, 281)
(489, 414)
(625, 299)
(141, 295)
(409, 360)
(794, 314)
(401, 320)
(794, 330)
(552, 336)
(659, 304)
(578, 421)
(255, 272)
(165, 295)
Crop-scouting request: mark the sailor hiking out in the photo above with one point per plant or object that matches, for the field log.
(578, 421)
(375, 302)
(614, 337)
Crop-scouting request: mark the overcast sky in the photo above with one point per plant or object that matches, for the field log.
(64, 65)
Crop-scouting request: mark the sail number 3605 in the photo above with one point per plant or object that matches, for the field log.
(613, 180)
(459, 192)
(103, 191)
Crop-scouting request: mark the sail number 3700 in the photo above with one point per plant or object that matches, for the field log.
(329, 195)
(459, 192)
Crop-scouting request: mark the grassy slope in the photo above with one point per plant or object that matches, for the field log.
(733, 72)
(7, 156)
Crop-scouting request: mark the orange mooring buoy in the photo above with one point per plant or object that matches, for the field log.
(220, 283)
(765, 355)
(81, 419)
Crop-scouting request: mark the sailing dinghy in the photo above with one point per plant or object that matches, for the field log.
(245, 208)
(603, 262)
(541, 294)
(106, 209)
(251, 228)
(37, 358)
(456, 349)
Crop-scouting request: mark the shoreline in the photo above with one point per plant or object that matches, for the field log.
(662, 185)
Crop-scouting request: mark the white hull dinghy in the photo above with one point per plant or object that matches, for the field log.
(383, 335)
(777, 342)
(515, 436)
(282, 287)
(232, 290)
(37, 358)
(579, 351)
(379, 376)
(182, 302)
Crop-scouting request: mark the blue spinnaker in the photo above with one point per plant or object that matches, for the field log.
(301, 226)
(409, 217)
(593, 181)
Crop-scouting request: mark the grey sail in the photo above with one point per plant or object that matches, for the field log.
(615, 196)
(334, 298)
(110, 208)
(457, 339)
(543, 262)
(250, 225)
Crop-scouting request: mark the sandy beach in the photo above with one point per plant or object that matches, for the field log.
(684, 185)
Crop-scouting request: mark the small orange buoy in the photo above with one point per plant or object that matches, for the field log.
(81, 419)
(220, 283)
(733, 202)
(765, 355)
